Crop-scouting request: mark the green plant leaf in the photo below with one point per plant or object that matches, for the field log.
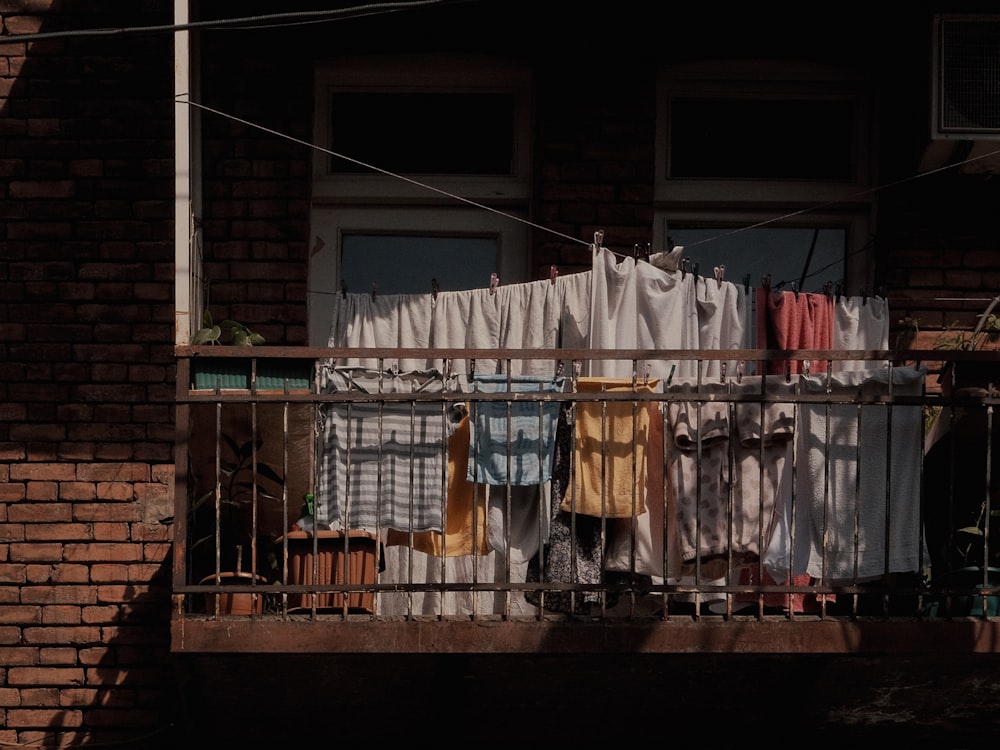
(208, 335)
(972, 530)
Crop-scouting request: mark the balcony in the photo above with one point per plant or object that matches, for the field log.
(764, 502)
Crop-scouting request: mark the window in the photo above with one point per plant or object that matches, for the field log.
(766, 168)
(402, 196)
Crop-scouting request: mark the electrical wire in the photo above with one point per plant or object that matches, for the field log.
(245, 22)
(439, 191)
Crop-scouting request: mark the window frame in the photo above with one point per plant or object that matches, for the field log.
(735, 204)
(428, 74)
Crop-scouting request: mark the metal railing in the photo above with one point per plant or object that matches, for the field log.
(515, 486)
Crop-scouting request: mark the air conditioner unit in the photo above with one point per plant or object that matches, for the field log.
(965, 90)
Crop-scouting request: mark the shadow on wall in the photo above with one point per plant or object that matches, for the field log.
(129, 697)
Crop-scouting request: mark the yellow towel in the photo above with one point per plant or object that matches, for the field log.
(609, 457)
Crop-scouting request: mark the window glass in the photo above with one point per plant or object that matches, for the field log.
(408, 264)
(805, 257)
(769, 139)
(423, 133)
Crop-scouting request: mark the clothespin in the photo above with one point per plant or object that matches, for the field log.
(805, 367)
(494, 281)
(598, 240)
(795, 289)
(720, 272)
(374, 289)
(560, 366)
(343, 288)
(645, 375)
(670, 375)
(739, 371)
(746, 284)
(553, 274)
(864, 296)
(685, 266)
(435, 288)
(788, 372)
(765, 281)
(472, 367)
(722, 373)
(828, 289)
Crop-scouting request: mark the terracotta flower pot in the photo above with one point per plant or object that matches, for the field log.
(235, 603)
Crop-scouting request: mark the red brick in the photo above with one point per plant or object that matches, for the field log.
(68, 573)
(102, 552)
(10, 697)
(57, 594)
(11, 532)
(42, 718)
(11, 492)
(100, 615)
(107, 572)
(61, 635)
(42, 491)
(105, 512)
(23, 614)
(28, 676)
(115, 491)
(51, 472)
(18, 656)
(58, 655)
(11, 636)
(111, 532)
(61, 615)
(94, 655)
(36, 552)
(41, 512)
(12, 573)
(79, 696)
(39, 697)
(76, 491)
(64, 531)
(122, 472)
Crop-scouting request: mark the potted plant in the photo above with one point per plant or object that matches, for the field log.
(961, 503)
(218, 373)
(229, 522)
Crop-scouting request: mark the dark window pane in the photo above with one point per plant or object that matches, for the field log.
(724, 138)
(406, 265)
(423, 133)
(807, 257)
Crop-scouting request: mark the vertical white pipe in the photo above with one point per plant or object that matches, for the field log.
(184, 256)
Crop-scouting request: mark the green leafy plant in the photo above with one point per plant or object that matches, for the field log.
(211, 333)
(987, 329)
(241, 480)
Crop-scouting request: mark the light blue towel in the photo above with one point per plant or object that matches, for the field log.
(512, 441)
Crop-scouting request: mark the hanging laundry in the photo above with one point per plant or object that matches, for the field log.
(835, 529)
(610, 450)
(796, 320)
(860, 324)
(380, 464)
(465, 532)
(511, 442)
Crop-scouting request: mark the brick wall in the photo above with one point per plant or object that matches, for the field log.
(86, 417)
(87, 318)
